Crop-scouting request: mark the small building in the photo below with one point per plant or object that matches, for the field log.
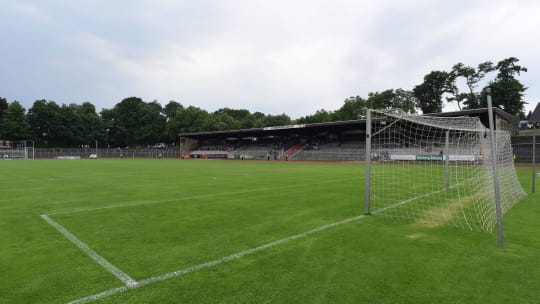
(534, 120)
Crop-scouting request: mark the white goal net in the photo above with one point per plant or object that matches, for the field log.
(16, 150)
(438, 170)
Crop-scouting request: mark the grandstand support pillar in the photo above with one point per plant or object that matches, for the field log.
(368, 163)
(180, 148)
(495, 169)
(447, 160)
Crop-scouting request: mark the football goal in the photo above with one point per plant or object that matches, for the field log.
(16, 149)
(437, 170)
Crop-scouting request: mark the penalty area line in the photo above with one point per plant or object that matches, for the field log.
(231, 257)
(122, 276)
(228, 258)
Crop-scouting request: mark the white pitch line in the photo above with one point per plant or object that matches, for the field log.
(231, 257)
(122, 276)
(196, 197)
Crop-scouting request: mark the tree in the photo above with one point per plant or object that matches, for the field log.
(190, 119)
(392, 99)
(467, 72)
(508, 95)
(3, 106)
(93, 126)
(13, 124)
(404, 100)
(320, 116)
(242, 117)
(126, 121)
(171, 108)
(45, 120)
(382, 100)
(170, 111)
(273, 120)
(220, 121)
(472, 77)
(429, 94)
(153, 123)
(353, 107)
(133, 122)
(506, 91)
(508, 68)
(256, 116)
(109, 124)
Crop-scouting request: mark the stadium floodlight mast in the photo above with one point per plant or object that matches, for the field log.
(438, 170)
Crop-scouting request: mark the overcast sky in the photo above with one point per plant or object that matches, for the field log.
(292, 57)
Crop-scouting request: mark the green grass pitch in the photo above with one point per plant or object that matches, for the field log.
(153, 218)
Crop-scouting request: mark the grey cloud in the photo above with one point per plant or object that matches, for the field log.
(279, 56)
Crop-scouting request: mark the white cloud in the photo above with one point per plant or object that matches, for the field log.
(27, 11)
(270, 56)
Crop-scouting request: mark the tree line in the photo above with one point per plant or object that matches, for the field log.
(130, 123)
(135, 122)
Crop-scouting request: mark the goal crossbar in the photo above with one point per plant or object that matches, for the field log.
(441, 167)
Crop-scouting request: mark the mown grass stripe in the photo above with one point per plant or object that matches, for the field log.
(209, 195)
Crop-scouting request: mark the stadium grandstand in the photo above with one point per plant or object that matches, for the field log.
(337, 141)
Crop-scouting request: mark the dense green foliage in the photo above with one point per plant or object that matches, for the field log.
(13, 121)
(429, 94)
(131, 122)
(163, 218)
(135, 122)
(355, 107)
(507, 91)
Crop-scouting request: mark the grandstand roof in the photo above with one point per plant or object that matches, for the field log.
(300, 129)
(482, 113)
(334, 127)
(479, 112)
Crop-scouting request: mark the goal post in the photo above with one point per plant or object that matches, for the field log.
(437, 170)
(21, 149)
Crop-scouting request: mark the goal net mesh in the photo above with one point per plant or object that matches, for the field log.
(438, 170)
(15, 150)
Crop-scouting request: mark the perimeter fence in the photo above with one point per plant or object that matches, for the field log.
(51, 153)
(523, 149)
